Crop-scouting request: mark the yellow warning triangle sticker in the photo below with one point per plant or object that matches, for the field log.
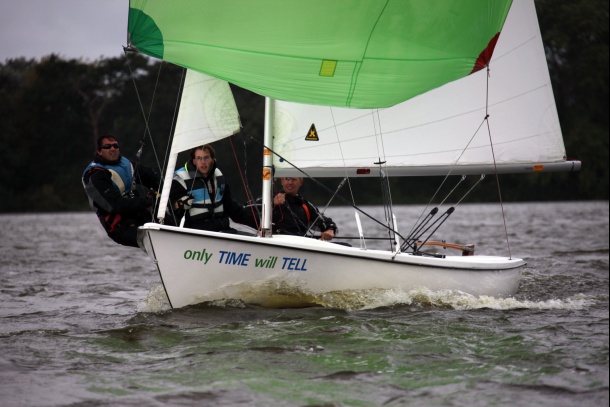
(312, 134)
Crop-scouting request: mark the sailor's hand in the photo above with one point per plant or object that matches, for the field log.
(185, 202)
(327, 235)
(279, 199)
(151, 197)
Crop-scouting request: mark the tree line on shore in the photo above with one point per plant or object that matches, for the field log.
(53, 109)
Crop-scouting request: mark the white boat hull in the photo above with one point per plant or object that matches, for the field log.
(199, 266)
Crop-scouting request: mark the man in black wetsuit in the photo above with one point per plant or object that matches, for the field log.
(109, 181)
(293, 215)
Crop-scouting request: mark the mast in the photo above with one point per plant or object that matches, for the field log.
(267, 169)
(167, 184)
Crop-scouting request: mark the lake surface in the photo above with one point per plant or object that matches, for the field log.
(84, 322)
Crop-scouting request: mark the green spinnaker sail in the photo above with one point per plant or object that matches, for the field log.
(357, 53)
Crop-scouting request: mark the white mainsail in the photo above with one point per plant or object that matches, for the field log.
(443, 130)
(207, 113)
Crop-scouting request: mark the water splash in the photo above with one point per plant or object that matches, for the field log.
(462, 301)
(282, 293)
(155, 301)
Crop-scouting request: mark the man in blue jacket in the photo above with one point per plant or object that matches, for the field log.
(110, 183)
(200, 192)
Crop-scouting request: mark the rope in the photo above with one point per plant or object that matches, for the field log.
(170, 138)
(349, 185)
(146, 121)
(328, 203)
(496, 168)
(243, 180)
(328, 189)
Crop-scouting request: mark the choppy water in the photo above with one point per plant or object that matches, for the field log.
(84, 322)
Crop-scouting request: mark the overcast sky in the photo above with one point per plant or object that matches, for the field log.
(87, 29)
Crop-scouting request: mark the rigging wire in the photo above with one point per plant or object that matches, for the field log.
(447, 177)
(495, 165)
(146, 120)
(243, 179)
(418, 230)
(485, 121)
(328, 203)
(383, 176)
(247, 185)
(385, 186)
(171, 136)
(146, 117)
(328, 189)
(386, 198)
(349, 185)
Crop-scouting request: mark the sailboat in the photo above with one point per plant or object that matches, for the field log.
(418, 88)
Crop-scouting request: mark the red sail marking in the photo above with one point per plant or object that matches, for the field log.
(485, 56)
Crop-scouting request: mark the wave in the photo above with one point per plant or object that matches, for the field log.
(284, 295)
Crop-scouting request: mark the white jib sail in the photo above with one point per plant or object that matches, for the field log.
(441, 131)
(207, 113)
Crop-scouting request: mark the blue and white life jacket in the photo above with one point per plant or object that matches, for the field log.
(203, 205)
(121, 175)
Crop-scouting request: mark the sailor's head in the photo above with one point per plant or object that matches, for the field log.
(108, 148)
(291, 185)
(203, 158)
